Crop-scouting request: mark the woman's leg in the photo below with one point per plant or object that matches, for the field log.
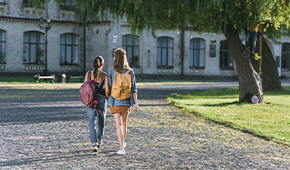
(124, 124)
(92, 125)
(119, 130)
(102, 108)
(248, 36)
(254, 41)
(101, 126)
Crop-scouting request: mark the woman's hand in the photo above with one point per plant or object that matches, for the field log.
(136, 102)
(136, 107)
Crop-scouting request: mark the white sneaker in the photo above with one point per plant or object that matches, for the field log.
(121, 152)
(124, 145)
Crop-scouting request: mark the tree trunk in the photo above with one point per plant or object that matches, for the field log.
(257, 62)
(249, 80)
(271, 79)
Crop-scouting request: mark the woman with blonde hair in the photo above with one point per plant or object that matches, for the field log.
(121, 108)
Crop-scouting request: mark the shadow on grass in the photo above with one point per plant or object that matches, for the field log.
(274, 93)
(236, 127)
(154, 105)
(221, 104)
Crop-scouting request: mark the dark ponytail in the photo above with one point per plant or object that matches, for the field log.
(97, 65)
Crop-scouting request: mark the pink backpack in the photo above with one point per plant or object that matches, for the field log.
(88, 92)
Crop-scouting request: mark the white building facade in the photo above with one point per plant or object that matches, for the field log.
(71, 49)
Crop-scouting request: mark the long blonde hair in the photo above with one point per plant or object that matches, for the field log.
(120, 60)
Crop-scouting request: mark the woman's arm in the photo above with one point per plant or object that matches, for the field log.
(136, 102)
(107, 87)
(86, 77)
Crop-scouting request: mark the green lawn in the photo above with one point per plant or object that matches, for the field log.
(27, 80)
(17, 80)
(270, 121)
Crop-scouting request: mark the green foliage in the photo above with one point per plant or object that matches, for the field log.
(270, 121)
(201, 15)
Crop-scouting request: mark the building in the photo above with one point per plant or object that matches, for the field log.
(72, 49)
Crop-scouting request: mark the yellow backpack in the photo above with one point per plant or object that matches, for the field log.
(121, 88)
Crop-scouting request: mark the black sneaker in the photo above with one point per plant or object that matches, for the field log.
(95, 152)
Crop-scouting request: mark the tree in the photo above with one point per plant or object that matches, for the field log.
(265, 64)
(271, 80)
(230, 17)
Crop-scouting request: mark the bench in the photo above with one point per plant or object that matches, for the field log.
(37, 77)
(68, 77)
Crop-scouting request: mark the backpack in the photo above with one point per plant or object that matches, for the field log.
(88, 91)
(121, 88)
(255, 100)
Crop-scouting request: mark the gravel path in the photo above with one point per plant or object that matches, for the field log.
(45, 127)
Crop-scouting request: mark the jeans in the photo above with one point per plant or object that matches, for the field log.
(93, 115)
(251, 38)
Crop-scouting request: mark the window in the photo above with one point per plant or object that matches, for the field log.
(285, 62)
(69, 49)
(29, 3)
(2, 46)
(196, 53)
(68, 5)
(164, 52)
(131, 45)
(226, 56)
(2, 1)
(33, 47)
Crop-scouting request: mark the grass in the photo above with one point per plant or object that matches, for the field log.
(270, 121)
(28, 80)
(17, 80)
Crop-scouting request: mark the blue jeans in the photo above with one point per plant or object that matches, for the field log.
(93, 115)
(251, 38)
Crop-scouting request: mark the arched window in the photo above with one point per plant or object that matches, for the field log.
(68, 5)
(285, 62)
(33, 47)
(131, 45)
(196, 52)
(2, 46)
(164, 52)
(69, 49)
(226, 56)
(29, 3)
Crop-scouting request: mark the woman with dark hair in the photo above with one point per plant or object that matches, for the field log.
(99, 112)
(121, 108)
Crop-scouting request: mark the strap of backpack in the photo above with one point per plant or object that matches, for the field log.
(128, 71)
(89, 75)
(103, 77)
